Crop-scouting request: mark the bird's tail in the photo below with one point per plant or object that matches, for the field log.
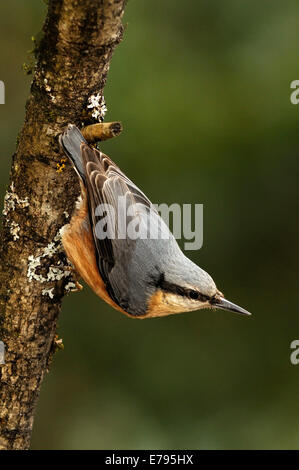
(70, 142)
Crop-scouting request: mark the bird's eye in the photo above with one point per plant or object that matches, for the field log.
(193, 294)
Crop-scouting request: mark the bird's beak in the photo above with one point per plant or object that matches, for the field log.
(221, 302)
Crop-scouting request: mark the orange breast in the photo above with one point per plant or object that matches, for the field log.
(79, 246)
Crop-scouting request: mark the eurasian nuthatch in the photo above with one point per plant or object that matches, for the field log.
(141, 277)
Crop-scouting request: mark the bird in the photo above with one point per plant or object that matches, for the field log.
(142, 277)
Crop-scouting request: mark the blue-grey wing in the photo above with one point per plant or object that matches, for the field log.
(129, 235)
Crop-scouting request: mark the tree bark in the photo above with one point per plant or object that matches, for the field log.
(72, 63)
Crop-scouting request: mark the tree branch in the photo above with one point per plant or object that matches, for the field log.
(101, 131)
(72, 64)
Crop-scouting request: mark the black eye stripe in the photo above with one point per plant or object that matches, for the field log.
(193, 294)
(178, 290)
(204, 298)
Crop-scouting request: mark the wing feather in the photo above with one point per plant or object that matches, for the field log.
(106, 183)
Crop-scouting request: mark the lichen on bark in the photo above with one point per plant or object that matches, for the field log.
(73, 58)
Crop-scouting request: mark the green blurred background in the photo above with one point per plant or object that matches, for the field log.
(203, 90)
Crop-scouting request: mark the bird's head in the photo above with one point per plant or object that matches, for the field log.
(187, 289)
